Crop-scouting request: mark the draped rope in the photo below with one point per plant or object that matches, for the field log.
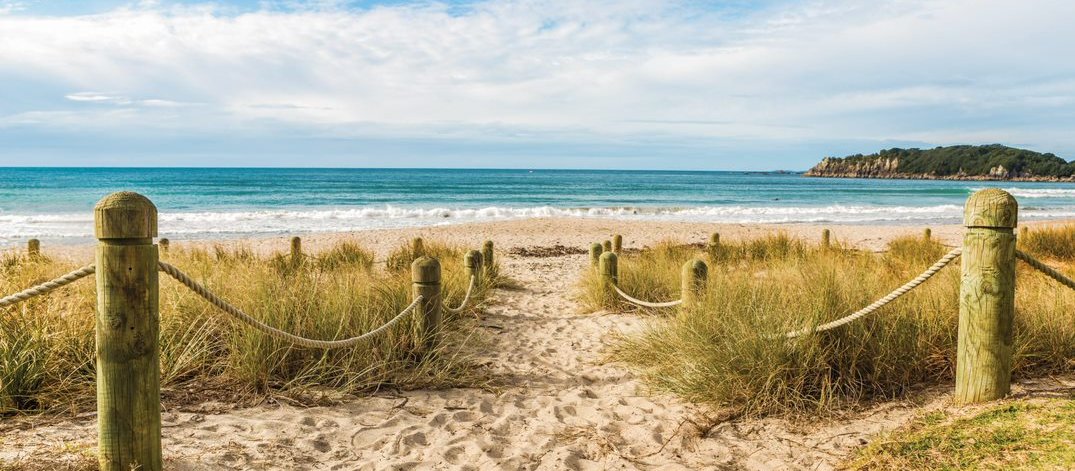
(48, 286)
(213, 299)
(642, 303)
(466, 299)
(944, 261)
(1047, 270)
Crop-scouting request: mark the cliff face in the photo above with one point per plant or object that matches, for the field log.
(889, 168)
(872, 168)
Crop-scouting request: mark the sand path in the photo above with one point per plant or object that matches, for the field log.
(561, 408)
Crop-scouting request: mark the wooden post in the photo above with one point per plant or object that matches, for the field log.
(128, 356)
(164, 244)
(1023, 231)
(418, 248)
(986, 298)
(425, 273)
(33, 247)
(487, 260)
(927, 234)
(607, 246)
(825, 239)
(608, 268)
(617, 243)
(472, 265)
(595, 253)
(713, 247)
(296, 251)
(692, 282)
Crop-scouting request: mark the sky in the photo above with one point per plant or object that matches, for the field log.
(629, 84)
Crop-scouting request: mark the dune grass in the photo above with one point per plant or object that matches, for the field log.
(1018, 434)
(47, 343)
(1053, 242)
(724, 352)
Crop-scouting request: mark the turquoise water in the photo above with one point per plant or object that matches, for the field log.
(56, 203)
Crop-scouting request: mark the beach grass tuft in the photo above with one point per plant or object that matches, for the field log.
(727, 352)
(47, 343)
(1053, 242)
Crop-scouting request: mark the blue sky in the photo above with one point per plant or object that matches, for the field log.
(527, 84)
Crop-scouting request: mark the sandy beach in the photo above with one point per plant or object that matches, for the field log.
(553, 401)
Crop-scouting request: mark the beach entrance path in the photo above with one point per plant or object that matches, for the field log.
(555, 405)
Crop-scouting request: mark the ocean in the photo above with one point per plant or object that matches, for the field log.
(55, 204)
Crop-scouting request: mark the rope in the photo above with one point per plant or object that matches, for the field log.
(48, 286)
(642, 303)
(1050, 271)
(944, 261)
(272, 331)
(466, 299)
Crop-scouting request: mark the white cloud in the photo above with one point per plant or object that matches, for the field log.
(899, 69)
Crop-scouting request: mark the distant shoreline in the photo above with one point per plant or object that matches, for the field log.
(968, 178)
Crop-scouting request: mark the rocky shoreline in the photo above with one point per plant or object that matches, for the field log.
(980, 178)
(888, 168)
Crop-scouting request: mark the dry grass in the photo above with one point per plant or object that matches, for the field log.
(1054, 242)
(724, 354)
(1017, 434)
(47, 343)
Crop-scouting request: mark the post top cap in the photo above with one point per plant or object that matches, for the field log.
(425, 270)
(125, 215)
(991, 207)
(611, 255)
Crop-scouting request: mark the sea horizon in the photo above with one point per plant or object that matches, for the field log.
(55, 203)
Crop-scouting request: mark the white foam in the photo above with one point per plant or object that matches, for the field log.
(15, 227)
(1040, 192)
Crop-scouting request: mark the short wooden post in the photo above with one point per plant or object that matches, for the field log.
(425, 273)
(296, 251)
(418, 248)
(164, 244)
(692, 282)
(128, 356)
(472, 265)
(825, 239)
(488, 264)
(713, 247)
(986, 298)
(927, 234)
(33, 247)
(595, 254)
(608, 268)
(607, 246)
(1023, 231)
(617, 243)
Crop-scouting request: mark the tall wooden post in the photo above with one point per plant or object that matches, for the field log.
(608, 268)
(33, 247)
(617, 243)
(825, 239)
(607, 246)
(927, 234)
(713, 247)
(986, 297)
(488, 264)
(296, 251)
(418, 248)
(472, 265)
(692, 282)
(128, 356)
(595, 253)
(164, 244)
(425, 273)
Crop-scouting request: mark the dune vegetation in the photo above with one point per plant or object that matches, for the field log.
(47, 343)
(727, 350)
